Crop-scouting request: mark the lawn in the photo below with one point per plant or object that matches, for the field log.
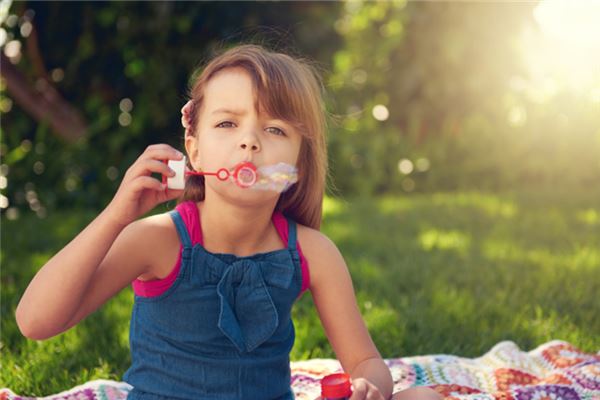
(438, 273)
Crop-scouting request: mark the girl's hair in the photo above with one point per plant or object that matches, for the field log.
(287, 88)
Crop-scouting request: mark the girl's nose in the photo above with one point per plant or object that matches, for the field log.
(250, 142)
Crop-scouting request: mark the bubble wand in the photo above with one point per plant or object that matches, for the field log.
(278, 177)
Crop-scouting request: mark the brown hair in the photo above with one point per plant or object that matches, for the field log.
(287, 88)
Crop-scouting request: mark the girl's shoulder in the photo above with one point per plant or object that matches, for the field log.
(321, 253)
(312, 238)
(156, 237)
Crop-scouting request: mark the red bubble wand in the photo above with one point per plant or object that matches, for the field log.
(244, 174)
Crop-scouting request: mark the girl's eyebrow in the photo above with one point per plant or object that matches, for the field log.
(228, 111)
(238, 113)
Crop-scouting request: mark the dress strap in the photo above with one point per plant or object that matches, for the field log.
(291, 234)
(181, 228)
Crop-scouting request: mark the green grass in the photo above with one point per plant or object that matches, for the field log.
(442, 273)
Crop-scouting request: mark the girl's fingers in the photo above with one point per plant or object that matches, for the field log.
(375, 395)
(149, 166)
(364, 390)
(151, 161)
(359, 390)
(161, 152)
(146, 182)
(171, 194)
(147, 161)
(159, 167)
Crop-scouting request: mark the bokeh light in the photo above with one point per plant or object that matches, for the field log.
(126, 105)
(405, 166)
(380, 112)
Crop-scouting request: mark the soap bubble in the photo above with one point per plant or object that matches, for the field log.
(279, 177)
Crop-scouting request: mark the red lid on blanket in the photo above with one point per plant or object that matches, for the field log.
(336, 386)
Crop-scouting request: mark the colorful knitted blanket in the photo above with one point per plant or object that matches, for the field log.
(554, 370)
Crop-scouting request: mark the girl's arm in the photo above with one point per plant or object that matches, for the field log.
(333, 294)
(105, 257)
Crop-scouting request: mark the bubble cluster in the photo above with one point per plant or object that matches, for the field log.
(278, 177)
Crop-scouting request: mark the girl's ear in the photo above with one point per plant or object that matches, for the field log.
(191, 147)
(185, 116)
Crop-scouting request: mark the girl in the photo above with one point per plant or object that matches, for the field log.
(215, 279)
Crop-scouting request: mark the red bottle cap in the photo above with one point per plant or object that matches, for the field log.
(336, 386)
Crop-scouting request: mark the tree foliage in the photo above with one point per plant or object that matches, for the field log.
(423, 96)
(464, 109)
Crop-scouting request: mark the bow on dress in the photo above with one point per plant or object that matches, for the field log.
(248, 316)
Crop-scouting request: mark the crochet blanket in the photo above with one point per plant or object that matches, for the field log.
(554, 370)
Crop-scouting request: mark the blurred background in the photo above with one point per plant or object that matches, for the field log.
(464, 135)
(423, 96)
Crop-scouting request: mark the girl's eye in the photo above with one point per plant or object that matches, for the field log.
(225, 122)
(277, 131)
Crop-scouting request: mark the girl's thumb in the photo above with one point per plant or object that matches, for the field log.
(171, 194)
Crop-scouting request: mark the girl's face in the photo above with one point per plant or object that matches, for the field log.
(230, 131)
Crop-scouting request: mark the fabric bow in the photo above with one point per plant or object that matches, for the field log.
(248, 316)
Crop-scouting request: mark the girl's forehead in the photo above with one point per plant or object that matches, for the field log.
(231, 90)
(237, 106)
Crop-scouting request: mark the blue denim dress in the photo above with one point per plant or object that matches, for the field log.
(223, 330)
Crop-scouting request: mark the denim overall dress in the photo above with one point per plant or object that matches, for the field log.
(223, 330)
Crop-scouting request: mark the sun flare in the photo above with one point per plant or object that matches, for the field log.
(564, 53)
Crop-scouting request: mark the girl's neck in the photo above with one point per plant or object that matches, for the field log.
(243, 231)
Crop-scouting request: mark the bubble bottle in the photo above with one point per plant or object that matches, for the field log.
(336, 387)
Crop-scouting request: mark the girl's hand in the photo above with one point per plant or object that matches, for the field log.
(363, 389)
(417, 393)
(139, 192)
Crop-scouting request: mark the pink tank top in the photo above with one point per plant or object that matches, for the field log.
(190, 215)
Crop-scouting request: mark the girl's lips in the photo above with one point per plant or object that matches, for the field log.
(242, 162)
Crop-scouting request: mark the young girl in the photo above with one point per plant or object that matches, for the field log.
(216, 278)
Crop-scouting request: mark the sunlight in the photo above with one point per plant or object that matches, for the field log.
(431, 239)
(565, 52)
(493, 205)
(572, 22)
